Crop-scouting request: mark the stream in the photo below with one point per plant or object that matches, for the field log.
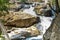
(42, 26)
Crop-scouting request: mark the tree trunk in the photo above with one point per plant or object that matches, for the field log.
(57, 6)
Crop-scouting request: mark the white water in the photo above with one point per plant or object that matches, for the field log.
(42, 26)
(30, 11)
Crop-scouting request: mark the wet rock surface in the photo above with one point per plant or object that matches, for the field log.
(53, 32)
(24, 32)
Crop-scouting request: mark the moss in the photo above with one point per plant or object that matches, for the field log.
(2, 38)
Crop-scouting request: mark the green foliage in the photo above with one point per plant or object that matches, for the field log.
(40, 1)
(53, 2)
(0, 32)
(3, 4)
(2, 38)
(23, 1)
(3, 7)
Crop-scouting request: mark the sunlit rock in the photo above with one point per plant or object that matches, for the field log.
(39, 8)
(24, 32)
(20, 19)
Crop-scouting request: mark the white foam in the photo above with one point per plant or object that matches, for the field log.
(30, 11)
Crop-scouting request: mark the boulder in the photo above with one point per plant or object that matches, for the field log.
(39, 9)
(20, 20)
(24, 32)
(48, 13)
(33, 31)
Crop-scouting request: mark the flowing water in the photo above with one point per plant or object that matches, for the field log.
(42, 26)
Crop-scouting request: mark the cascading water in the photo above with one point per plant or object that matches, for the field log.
(42, 26)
